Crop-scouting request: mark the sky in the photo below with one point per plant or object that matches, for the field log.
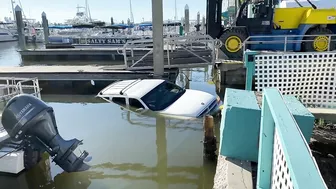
(60, 10)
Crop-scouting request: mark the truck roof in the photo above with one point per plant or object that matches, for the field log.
(131, 88)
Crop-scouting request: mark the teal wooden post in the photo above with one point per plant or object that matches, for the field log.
(302, 168)
(265, 146)
(249, 63)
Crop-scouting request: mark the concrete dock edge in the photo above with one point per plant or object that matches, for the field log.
(233, 174)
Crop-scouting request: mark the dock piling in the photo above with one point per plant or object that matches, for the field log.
(158, 58)
(203, 23)
(45, 28)
(198, 21)
(209, 140)
(20, 27)
(186, 19)
(112, 22)
(129, 29)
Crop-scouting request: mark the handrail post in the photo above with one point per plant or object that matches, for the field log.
(329, 42)
(168, 57)
(132, 54)
(8, 86)
(267, 129)
(285, 48)
(249, 63)
(125, 55)
(20, 87)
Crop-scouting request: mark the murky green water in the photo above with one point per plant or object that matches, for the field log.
(128, 150)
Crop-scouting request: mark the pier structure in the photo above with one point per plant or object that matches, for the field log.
(274, 134)
(284, 93)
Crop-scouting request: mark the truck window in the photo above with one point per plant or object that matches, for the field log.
(119, 100)
(162, 96)
(135, 103)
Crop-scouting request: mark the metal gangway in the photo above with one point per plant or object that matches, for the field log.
(10, 86)
(193, 50)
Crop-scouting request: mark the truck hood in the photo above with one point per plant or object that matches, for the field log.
(190, 104)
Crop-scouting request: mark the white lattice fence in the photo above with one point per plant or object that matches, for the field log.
(281, 177)
(308, 76)
(284, 160)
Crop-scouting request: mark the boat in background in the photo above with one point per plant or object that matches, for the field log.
(6, 35)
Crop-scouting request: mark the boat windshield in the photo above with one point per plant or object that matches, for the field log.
(162, 96)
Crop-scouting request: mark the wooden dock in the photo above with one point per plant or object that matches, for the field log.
(79, 79)
(71, 54)
(115, 56)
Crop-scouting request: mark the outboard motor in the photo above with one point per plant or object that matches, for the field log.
(27, 118)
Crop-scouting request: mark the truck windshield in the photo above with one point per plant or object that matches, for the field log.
(162, 96)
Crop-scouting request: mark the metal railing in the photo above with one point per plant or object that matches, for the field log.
(171, 44)
(285, 159)
(9, 87)
(283, 39)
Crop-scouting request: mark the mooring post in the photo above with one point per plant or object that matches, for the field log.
(129, 26)
(198, 23)
(20, 27)
(209, 140)
(112, 22)
(203, 23)
(186, 19)
(157, 19)
(45, 28)
(181, 32)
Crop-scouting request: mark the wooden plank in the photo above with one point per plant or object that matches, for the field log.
(58, 69)
(71, 73)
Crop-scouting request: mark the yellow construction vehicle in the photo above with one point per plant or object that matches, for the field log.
(273, 28)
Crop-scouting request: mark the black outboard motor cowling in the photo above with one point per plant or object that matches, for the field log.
(26, 117)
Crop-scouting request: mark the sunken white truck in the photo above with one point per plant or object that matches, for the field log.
(160, 96)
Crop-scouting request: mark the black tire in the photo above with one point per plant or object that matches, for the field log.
(238, 33)
(308, 46)
(31, 157)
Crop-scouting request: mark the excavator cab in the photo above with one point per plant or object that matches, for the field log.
(264, 20)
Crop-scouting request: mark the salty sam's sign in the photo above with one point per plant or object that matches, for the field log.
(100, 41)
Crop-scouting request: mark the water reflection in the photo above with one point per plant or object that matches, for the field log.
(129, 150)
(9, 55)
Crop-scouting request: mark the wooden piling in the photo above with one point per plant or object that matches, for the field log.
(203, 24)
(158, 59)
(198, 23)
(112, 22)
(209, 140)
(20, 27)
(186, 19)
(45, 28)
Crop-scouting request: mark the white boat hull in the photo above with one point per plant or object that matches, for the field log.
(7, 38)
(11, 163)
(6, 35)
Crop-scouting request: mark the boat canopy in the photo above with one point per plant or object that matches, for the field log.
(164, 24)
(145, 24)
(5, 23)
(113, 27)
(60, 27)
(123, 25)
